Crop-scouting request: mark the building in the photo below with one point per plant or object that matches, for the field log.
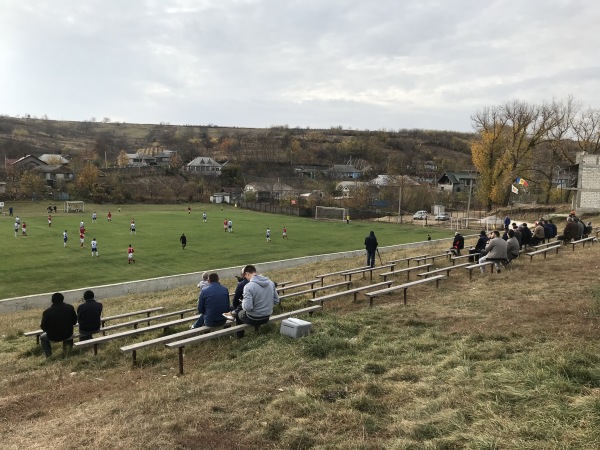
(265, 192)
(54, 159)
(587, 199)
(393, 181)
(203, 165)
(455, 182)
(341, 171)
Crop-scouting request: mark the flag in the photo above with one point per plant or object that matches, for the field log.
(514, 189)
(521, 181)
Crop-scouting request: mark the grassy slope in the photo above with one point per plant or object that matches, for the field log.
(39, 263)
(508, 361)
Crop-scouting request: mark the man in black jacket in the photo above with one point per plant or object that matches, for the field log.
(371, 246)
(458, 244)
(88, 315)
(57, 323)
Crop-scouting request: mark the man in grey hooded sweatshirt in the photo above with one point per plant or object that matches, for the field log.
(260, 294)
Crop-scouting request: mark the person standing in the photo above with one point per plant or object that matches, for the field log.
(230, 226)
(225, 225)
(94, 247)
(81, 238)
(24, 228)
(65, 238)
(49, 220)
(371, 245)
(260, 294)
(94, 217)
(88, 316)
(109, 217)
(268, 235)
(18, 220)
(183, 240)
(10, 211)
(57, 324)
(213, 302)
(284, 233)
(347, 219)
(132, 227)
(16, 228)
(506, 223)
(130, 257)
(204, 216)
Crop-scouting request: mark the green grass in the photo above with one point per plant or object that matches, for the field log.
(38, 263)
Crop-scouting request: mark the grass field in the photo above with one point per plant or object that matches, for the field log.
(508, 361)
(38, 263)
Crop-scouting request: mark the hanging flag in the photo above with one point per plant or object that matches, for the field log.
(514, 189)
(521, 181)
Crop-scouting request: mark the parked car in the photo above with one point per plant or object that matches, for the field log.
(442, 216)
(420, 215)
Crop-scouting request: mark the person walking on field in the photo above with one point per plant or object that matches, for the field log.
(204, 216)
(183, 241)
(109, 217)
(24, 229)
(130, 257)
(94, 247)
(65, 238)
(225, 225)
(371, 245)
(284, 233)
(268, 235)
(49, 220)
(16, 228)
(132, 227)
(230, 226)
(81, 238)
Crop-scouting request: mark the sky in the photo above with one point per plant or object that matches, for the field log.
(355, 64)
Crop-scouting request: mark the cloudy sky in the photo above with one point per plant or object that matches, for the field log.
(362, 64)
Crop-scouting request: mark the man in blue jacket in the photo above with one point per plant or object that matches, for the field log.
(213, 302)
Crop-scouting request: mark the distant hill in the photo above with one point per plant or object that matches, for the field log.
(257, 151)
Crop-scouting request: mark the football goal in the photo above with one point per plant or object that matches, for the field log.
(74, 206)
(330, 213)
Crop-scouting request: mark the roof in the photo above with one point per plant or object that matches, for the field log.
(394, 180)
(455, 177)
(203, 161)
(262, 186)
(54, 157)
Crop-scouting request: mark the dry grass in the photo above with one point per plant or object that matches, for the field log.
(509, 360)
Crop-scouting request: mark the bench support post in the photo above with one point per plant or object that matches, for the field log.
(133, 357)
(181, 360)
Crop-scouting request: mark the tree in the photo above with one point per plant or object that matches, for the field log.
(507, 135)
(87, 179)
(587, 131)
(122, 159)
(31, 184)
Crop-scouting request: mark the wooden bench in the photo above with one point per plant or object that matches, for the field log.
(339, 272)
(472, 255)
(312, 283)
(431, 257)
(408, 259)
(403, 287)
(547, 244)
(316, 289)
(348, 275)
(442, 270)
(180, 345)
(136, 322)
(407, 270)
(111, 337)
(354, 291)
(544, 251)
(583, 241)
(479, 266)
(103, 320)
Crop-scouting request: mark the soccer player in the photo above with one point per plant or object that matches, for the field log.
(183, 241)
(284, 232)
(65, 238)
(24, 229)
(94, 247)
(81, 238)
(109, 216)
(225, 225)
(268, 235)
(230, 225)
(49, 220)
(204, 216)
(130, 257)
(132, 227)
(16, 228)
(94, 217)
(81, 224)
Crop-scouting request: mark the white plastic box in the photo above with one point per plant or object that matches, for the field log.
(295, 328)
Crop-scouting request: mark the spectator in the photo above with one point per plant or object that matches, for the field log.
(495, 251)
(213, 302)
(88, 316)
(518, 233)
(506, 223)
(512, 246)
(238, 295)
(580, 228)
(538, 234)
(570, 231)
(204, 282)
(371, 245)
(554, 229)
(57, 323)
(260, 295)
(458, 244)
(526, 235)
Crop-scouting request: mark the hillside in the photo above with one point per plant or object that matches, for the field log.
(254, 150)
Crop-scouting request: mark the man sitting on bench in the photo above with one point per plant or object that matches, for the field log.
(57, 323)
(88, 316)
(458, 244)
(512, 246)
(260, 294)
(212, 304)
(495, 251)
(570, 231)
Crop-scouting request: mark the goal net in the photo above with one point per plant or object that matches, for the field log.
(74, 206)
(330, 213)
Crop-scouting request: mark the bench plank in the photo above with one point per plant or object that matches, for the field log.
(367, 269)
(406, 270)
(543, 251)
(354, 291)
(404, 287)
(443, 269)
(316, 289)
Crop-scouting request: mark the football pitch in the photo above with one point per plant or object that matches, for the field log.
(39, 263)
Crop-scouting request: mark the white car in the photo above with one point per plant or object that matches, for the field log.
(442, 216)
(420, 215)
